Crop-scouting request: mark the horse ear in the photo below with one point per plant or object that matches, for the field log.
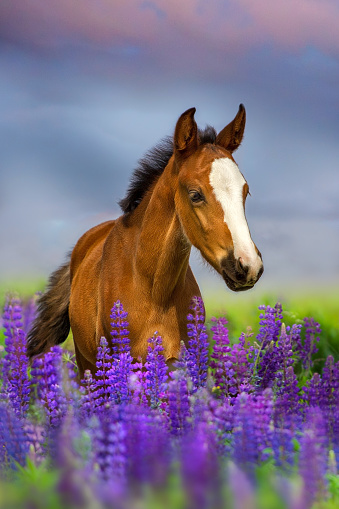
(231, 136)
(186, 135)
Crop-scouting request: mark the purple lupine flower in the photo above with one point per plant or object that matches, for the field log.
(16, 385)
(74, 473)
(200, 469)
(245, 452)
(241, 488)
(12, 321)
(103, 382)
(18, 382)
(36, 435)
(196, 356)
(137, 386)
(241, 354)
(287, 393)
(29, 312)
(71, 385)
(155, 377)
(222, 415)
(268, 354)
(178, 403)
(199, 403)
(230, 363)
(120, 332)
(147, 447)
(313, 456)
(252, 428)
(13, 439)
(121, 372)
(47, 376)
(308, 348)
(109, 445)
(314, 391)
(283, 435)
(121, 357)
(270, 323)
(220, 353)
(323, 391)
(285, 348)
(262, 409)
(330, 402)
(88, 401)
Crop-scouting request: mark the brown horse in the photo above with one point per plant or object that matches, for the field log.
(187, 191)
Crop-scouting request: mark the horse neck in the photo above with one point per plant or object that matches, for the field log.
(163, 251)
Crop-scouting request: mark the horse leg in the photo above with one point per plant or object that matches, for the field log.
(171, 363)
(83, 363)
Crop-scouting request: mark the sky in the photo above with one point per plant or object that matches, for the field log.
(86, 88)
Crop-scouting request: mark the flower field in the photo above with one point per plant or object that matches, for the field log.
(240, 424)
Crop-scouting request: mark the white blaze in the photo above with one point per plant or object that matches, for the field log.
(227, 183)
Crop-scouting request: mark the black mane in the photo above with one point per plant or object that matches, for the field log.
(151, 166)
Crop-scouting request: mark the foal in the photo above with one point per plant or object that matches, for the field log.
(188, 191)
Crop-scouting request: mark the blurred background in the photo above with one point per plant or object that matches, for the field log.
(87, 87)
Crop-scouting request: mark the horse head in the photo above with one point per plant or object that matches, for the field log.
(210, 200)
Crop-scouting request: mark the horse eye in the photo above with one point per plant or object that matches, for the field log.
(195, 196)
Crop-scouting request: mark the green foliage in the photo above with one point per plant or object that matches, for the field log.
(34, 485)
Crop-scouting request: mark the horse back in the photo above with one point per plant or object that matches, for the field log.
(88, 242)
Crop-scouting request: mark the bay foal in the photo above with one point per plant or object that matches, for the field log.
(187, 191)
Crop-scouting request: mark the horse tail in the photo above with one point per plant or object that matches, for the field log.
(51, 326)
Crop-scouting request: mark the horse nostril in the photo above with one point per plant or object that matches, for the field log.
(241, 268)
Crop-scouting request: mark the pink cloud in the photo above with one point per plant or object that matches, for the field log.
(233, 26)
(296, 24)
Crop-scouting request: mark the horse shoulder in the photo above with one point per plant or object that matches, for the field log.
(87, 243)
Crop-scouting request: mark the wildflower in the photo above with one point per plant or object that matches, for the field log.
(245, 451)
(219, 358)
(109, 445)
(12, 321)
(178, 403)
(103, 382)
(306, 349)
(121, 357)
(197, 352)
(155, 377)
(268, 354)
(288, 398)
(13, 439)
(29, 312)
(230, 364)
(222, 415)
(147, 447)
(120, 332)
(252, 428)
(47, 376)
(200, 468)
(87, 401)
(313, 456)
(18, 383)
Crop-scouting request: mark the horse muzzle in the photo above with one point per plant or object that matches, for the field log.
(238, 275)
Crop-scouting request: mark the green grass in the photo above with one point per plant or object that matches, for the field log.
(23, 287)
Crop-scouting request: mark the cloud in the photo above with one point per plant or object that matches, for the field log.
(296, 25)
(229, 27)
